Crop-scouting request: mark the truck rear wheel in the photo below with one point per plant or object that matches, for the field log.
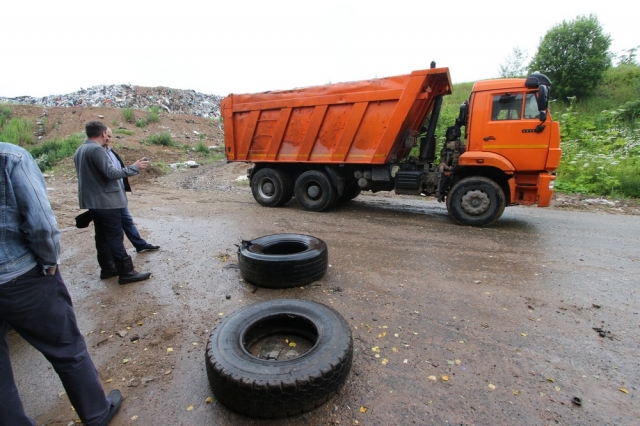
(314, 191)
(351, 191)
(271, 187)
(476, 201)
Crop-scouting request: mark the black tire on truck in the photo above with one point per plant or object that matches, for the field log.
(314, 191)
(476, 201)
(281, 385)
(271, 187)
(351, 191)
(283, 260)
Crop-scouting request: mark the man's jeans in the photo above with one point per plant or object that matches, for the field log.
(130, 230)
(39, 308)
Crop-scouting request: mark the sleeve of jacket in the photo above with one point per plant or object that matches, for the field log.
(39, 225)
(103, 164)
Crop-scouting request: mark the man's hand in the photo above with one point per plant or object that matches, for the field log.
(52, 270)
(142, 163)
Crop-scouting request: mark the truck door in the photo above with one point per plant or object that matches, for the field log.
(514, 131)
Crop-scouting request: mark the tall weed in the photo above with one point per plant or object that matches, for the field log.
(18, 131)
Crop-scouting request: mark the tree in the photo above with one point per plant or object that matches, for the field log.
(514, 65)
(574, 55)
(629, 57)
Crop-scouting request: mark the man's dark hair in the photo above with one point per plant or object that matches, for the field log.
(94, 129)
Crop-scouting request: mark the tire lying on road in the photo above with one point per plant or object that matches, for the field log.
(283, 260)
(257, 365)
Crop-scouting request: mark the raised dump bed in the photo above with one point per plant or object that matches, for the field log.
(356, 122)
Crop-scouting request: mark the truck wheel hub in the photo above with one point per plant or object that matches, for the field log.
(313, 191)
(267, 188)
(475, 202)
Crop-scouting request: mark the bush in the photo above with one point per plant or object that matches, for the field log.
(629, 178)
(154, 115)
(202, 148)
(162, 139)
(48, 154)
(630, 111)
(141, 123)
(128, 115)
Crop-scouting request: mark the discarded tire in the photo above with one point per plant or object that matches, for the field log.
(274, 382)
(283, 260)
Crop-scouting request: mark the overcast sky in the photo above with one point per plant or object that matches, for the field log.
(234, 46)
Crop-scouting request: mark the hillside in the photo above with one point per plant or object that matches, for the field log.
(190, 118)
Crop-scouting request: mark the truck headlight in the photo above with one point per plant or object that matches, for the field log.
(551, 185)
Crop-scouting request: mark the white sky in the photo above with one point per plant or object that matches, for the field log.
(234, 46)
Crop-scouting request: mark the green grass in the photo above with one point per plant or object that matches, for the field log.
(5, 114)
(162, 139)
(629, 178)
(51, 152)
(124, 132)
(202, 148)
(163, 167)
(128, 115)
(141, 123)
(18, 131)
(154, 114)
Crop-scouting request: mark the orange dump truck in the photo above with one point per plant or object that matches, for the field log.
(325, 144)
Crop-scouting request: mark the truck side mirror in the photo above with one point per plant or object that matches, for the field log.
(543, 115)
(543, 101)
(461, 121)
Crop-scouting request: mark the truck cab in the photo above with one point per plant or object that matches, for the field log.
(511, 140)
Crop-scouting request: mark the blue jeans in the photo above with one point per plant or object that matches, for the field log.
(39, 308)
(130, 229)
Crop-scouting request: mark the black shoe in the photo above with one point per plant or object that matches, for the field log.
(147, 247)
(127, 273)
(115, 400)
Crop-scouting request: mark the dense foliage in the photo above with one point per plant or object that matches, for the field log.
(574, 55)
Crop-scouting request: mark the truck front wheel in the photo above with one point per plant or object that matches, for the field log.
(271, 187)
(314, 191)
(476, 201)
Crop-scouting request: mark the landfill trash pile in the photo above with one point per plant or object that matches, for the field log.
(175, 101)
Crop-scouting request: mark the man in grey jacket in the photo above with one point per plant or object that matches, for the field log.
(99, 190)
(34, 299)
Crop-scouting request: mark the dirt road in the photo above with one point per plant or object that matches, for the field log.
(469, 325)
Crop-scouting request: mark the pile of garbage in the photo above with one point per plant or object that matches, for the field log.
(127, 96)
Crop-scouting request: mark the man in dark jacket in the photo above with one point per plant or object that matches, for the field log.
(34, 299)
(128, 226)
(99, 191)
